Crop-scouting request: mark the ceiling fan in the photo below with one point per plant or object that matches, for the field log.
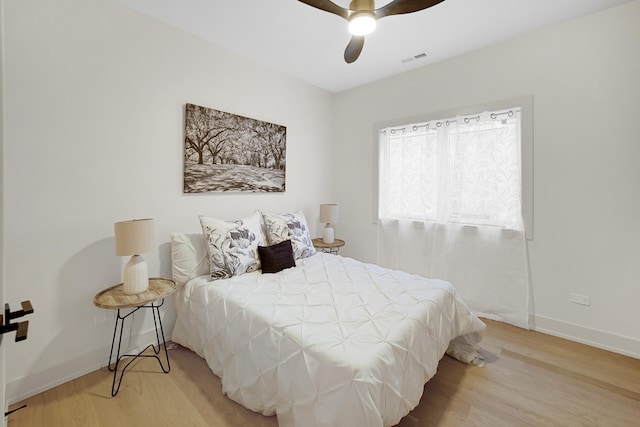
(362, 17)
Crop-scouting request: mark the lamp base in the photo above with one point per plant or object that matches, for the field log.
(328, 234)
(135, 276)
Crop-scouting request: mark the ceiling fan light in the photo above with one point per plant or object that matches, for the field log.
(362, 23)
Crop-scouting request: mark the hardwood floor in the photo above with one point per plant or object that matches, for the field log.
(529, 379)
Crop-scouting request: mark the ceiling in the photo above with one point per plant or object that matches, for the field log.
(307, 43)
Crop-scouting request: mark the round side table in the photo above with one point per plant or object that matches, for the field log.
(331, 248)
(114, 298)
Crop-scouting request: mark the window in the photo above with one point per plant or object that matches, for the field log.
(462, 169)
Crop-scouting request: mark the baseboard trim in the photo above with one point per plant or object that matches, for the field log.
(594, 337)
(30, 385)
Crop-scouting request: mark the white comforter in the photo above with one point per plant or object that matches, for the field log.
(330, 342)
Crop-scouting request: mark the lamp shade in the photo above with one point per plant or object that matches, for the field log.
(329, 213)
(134, 237)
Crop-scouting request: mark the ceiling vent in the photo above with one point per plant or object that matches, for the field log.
(414, 57)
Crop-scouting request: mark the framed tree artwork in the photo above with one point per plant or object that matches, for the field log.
(224, 152)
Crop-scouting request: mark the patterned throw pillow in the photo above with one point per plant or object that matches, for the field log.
(290, 226)
(232, 245)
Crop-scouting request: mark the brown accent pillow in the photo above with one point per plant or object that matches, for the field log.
(276, 257)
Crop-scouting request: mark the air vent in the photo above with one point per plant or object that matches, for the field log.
(414, 57)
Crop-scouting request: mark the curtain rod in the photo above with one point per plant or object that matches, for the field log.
(467, 119)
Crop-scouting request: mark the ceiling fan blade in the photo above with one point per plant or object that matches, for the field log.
(398, 7)
(352, 52)
(328, 6)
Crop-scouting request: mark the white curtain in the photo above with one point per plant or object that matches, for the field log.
(450, 208)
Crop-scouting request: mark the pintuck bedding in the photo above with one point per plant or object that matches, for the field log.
(329, 342)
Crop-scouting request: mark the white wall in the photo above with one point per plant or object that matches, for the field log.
(583, 76)
(94, 104)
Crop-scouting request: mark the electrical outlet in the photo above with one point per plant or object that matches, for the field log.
(101, 318)
(579, 299)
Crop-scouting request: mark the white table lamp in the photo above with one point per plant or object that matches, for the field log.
(329, 215)
(134, 238)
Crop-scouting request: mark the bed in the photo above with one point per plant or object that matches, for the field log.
(331, 341)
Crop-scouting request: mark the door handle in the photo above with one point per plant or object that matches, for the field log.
(21, 328)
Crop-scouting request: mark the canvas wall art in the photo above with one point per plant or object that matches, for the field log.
(225, 152)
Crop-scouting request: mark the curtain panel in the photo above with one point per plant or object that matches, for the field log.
(450, 208)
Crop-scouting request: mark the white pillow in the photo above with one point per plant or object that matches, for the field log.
(189, 257)
(232, 245)
(290, 226)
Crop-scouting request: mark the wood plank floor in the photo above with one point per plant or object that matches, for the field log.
(530, 379)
